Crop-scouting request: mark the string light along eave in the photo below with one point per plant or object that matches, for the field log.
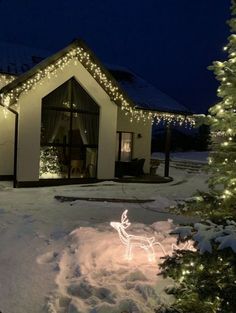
(79, 54)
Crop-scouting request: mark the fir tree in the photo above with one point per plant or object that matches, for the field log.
(205, 282)
(220, 202)
(49, 162)
(222, 120)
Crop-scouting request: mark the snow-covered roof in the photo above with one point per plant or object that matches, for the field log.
(19, 59)
(144, 94)
(16, 59)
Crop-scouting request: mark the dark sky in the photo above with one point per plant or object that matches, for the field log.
(168, 42)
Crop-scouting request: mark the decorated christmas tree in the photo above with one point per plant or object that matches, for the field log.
(49, 161)
(222, 119)
(221, 200)
(205, 278)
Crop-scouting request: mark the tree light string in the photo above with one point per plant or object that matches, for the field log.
(116, 95)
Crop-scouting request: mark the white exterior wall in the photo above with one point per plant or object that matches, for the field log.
(141, 146)
(7, 131)
(30, 123)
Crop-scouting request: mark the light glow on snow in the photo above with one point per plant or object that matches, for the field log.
(89, 258)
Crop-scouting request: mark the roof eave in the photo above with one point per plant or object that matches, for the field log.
(185, 113)
(20, 79)
(79, 43)
(46, 62)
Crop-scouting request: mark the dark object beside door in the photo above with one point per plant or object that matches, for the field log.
(133, 168)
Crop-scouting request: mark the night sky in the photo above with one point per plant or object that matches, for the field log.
(168, 42)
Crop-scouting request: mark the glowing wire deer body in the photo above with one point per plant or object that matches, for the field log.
(131, 241)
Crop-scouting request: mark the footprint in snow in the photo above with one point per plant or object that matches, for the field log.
(48, 257)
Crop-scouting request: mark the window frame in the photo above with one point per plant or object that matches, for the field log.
(118, 157)
(69, 145)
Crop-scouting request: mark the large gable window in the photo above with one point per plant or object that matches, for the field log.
(69, 133)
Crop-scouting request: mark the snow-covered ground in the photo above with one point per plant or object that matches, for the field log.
(65, 257)
(193, 156)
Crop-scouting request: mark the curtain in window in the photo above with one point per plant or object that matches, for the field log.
(77, 141)
(52, 120)
(88, 121)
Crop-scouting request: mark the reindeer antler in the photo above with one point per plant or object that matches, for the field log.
(124, 219)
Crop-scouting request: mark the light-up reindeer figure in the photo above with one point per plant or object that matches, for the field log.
(131, 241)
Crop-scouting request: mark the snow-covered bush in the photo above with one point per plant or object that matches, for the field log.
(205, 279)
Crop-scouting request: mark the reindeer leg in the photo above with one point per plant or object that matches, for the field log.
(162, 248)
(150, 252)
(129, 251)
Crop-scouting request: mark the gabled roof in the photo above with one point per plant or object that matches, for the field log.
(17, 59)
(144, 95)
(123, 86)
(68, 52)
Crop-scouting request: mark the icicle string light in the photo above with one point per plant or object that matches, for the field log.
(5, 80)
(79, 54)
(5, 112)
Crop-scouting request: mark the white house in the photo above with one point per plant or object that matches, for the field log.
(69, 118)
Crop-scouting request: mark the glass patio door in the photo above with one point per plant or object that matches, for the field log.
(69, 133)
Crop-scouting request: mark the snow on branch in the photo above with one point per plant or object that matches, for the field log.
(207, 233)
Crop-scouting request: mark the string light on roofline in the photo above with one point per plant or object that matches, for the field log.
(79, 54)
(5, 112)
(6, 103)
(6, 79)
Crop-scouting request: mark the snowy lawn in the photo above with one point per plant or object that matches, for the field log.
(194, 156)
(65, 257)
